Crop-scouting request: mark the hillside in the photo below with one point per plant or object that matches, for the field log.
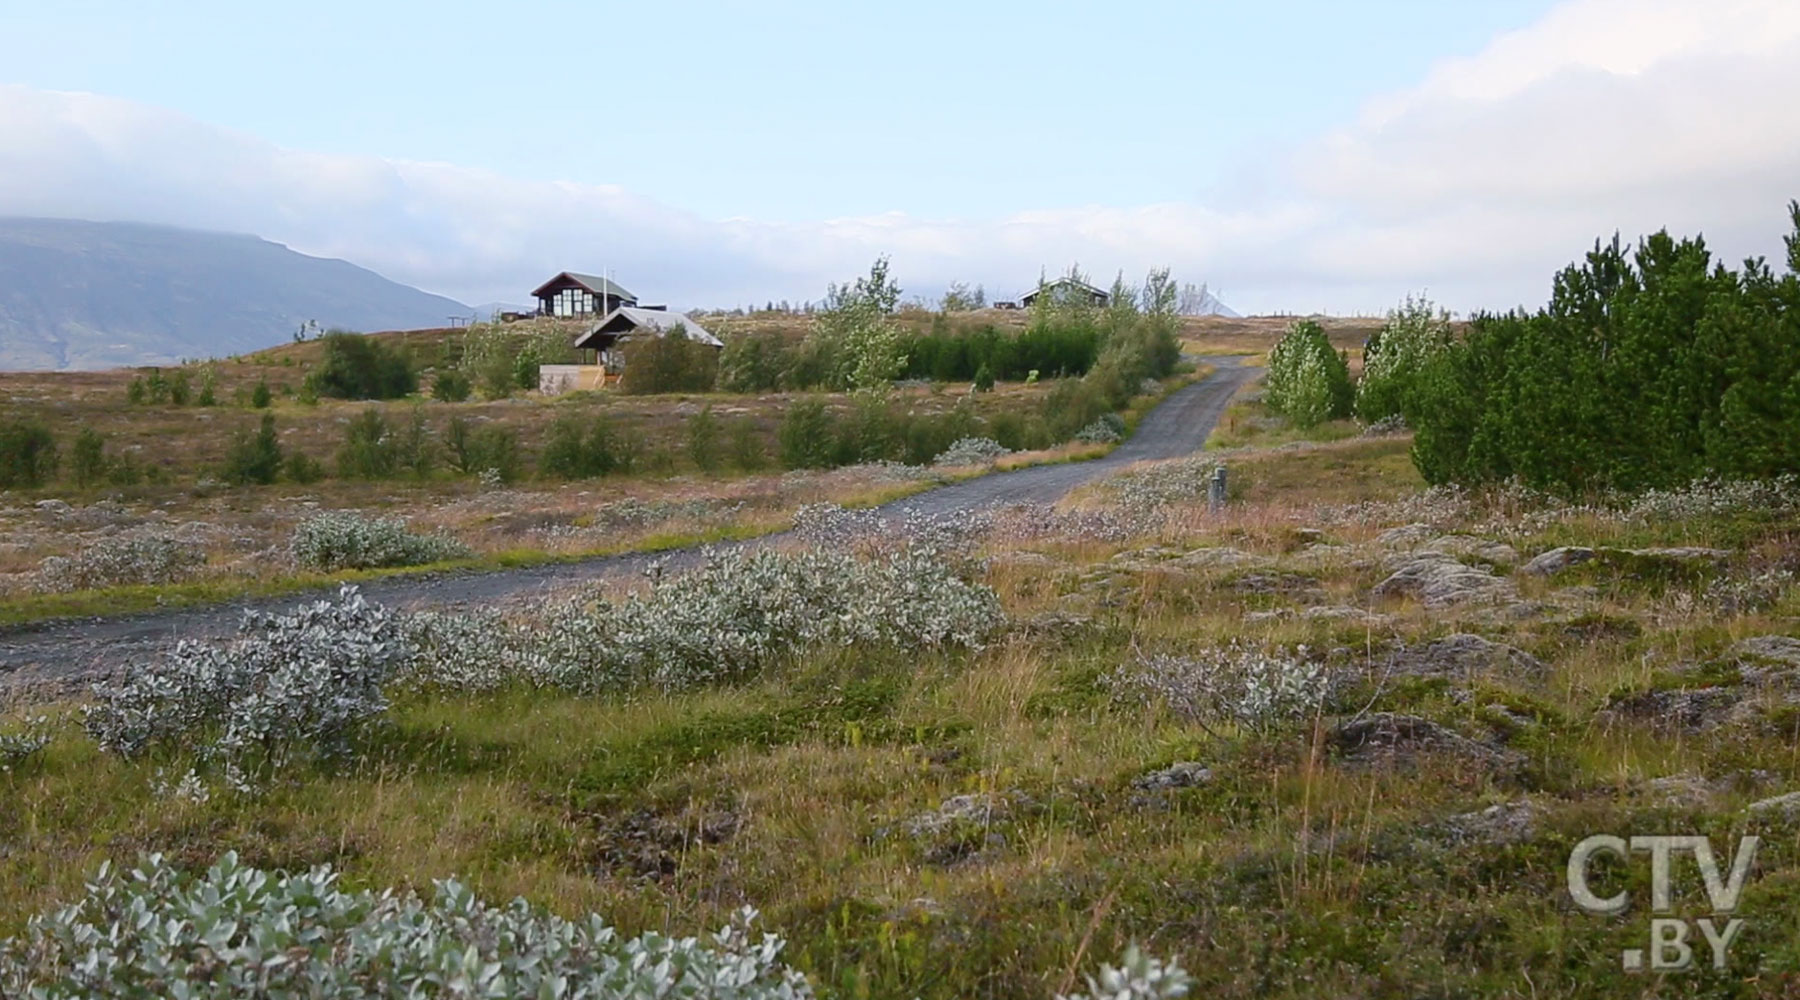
(84, 295)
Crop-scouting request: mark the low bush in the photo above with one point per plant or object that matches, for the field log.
(359, 367)
(451, 386)
(669, 363)
(348, 540)
(731, 617)
(805, 435)
(1254, 688)
(972, 451)
(1108, 428)
(289, 688)
(87, 460)
(238, 931)
(20, 744)
(27, 454)
(142, 558)
(254, 458)
(369, 450)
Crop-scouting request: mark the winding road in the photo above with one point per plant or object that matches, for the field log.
(61, 652)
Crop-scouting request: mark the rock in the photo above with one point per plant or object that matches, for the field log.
(1388, 739)
(1275, 583)
(1466, 656)
(53, 506)
(1690, 709)
(1775, 648)
(1183, 774)
(982, 809)
(1557, 560)
(1439, 581)
(1783, 806)
(1264, 617)
(1683, 556)
(1506, 823)
(1406, 536)
(1470, 546)
(1683, 791)
(1223, 556)
(1342, 612)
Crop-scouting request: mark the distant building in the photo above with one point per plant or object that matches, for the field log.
(570, 294)
(606, 338)
(1066, 290)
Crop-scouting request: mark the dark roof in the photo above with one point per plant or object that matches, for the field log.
(592, 282)
(626, 319)
(1065, 282)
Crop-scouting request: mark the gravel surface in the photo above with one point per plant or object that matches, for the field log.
(58, 655)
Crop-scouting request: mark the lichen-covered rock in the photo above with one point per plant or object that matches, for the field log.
(1558, 559)
(1466, 656)
(1440, 581)
(1393, 740)
(1689, 709)
(1771, 648)
(1504, 823)
(1182, 774)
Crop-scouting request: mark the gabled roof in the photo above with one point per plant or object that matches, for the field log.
(1065, 282)
(592, 282)
(629, 319)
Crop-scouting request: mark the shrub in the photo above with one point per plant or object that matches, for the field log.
(748, 452)
(347, 540)
(179, 388)
(972, 451)
(87, 460)
(254, 458)
(451, 386)
(303, 468)
(703, 440)
(1308, 382)
(805, 435)
(737, 613)
(1646, 369)
(415, 451)
(1139, 976)
(758, 362)
(368, 451)
(1254, 688)
(288, 688)
(237, 931)
(259, 396)
(27, 454)
(141, 558)
(669, 363)
(19, 746)
(1108, 428)
(984, 379)
(1393, 358)
(359, 367)
(494, 450)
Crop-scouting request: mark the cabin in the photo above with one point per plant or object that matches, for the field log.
(606, 338)
(571, 295)
(1066, 290)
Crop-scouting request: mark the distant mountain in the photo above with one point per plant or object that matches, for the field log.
(98, 294)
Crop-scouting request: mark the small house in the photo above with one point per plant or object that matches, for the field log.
(570, 294)
(606, 338)
(1066, 290)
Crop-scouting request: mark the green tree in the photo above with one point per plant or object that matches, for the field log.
(805, 435)
(1414, 333)
(854, 343)
(703, 440)
(259, 396)
(1307, 380)
(451, 386)
(87, 460)
(368, 451)
(359, 367)
(27, 454)
(254, 457)
(672, 362)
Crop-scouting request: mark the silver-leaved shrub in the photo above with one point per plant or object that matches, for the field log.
(138, 558)
(347, 540)
(728, 618)
(237, 931)
(972, 451)
(1259, 689)
(21, 743)
(1108, 428)
(1139, 976)
(289, 686)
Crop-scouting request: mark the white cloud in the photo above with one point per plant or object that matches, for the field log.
(1479, 182)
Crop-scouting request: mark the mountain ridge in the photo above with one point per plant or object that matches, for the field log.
(78, 294)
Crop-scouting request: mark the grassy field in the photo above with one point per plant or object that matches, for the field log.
(991, 824)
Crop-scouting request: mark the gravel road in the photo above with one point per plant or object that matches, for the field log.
(58, 653)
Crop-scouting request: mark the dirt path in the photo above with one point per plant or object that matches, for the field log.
(59, 652)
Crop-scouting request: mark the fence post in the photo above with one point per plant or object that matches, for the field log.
(1215, 491)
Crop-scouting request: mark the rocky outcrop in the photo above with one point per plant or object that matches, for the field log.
(1440, 581)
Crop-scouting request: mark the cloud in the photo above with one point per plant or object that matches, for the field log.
(1478, 183)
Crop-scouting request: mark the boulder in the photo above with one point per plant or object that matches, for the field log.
(1473, 547)
(1689, 709)
(1558, 559)
(1782, 806)
(1406, 536)
(1440, 581)
(1505, 823)
(1389, 739)
(1466, 656)
(1772, 648)
(1182, 774)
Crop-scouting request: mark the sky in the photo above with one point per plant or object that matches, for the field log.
(1294, 156)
